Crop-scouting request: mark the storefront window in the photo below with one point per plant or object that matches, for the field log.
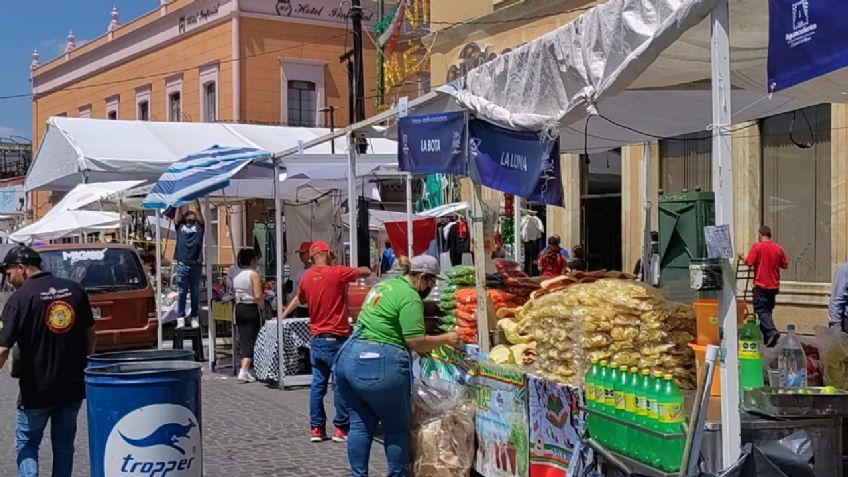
(600, 209)
(796, 182)
(685, 163)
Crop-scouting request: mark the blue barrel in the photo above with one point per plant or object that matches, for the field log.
(140, 356)
(145, 419)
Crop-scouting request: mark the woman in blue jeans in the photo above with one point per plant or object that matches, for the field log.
(373, 369)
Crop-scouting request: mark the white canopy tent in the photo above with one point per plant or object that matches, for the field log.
(67, 223)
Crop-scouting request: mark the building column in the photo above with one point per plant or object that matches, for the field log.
(565, 221)
(633, 200)
(839, 185)
(747, 187)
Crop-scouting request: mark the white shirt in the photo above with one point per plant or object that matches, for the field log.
(243, 286)
(531, 228)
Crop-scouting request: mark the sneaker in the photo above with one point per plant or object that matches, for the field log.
(195, 323)
(246, 377)
(318, 435)
(340, 436)
(180, 322)
(771, 341)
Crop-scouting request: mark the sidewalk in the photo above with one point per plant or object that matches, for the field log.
(249, 430)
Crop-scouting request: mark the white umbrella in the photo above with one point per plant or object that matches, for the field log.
(69, 222)
(85, 194)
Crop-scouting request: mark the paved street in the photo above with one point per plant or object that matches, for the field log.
(249, 430)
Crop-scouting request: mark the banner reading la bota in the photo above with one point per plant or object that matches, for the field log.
(433, 144)
(807, 39)
(523, 163)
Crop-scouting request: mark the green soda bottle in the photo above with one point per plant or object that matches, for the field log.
(646, 442)
(620, 393)
(601, 384)
(589, 394)
(671, 416)
(654, 415)
(613, 430)
(750, 355)
(631, 406)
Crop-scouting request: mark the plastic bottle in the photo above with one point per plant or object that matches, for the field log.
(792, 361)
(613, 430)
(671, 416)
(750, 355)
(654, 414)
(646, 447)
(589, 395)
(601, 384)
(619, 393)
(631, 405)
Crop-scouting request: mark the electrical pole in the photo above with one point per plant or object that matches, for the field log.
(381, 62)
(359, 78)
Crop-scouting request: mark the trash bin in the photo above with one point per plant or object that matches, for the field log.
(145, 419)
(139, 356)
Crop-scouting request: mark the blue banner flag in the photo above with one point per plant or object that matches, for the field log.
(516, 162)
(807, 39)
(433, 144)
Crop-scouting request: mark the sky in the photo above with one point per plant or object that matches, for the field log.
(26, 25)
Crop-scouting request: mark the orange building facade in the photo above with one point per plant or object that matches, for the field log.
(247, 61)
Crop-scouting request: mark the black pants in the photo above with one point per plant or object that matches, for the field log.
(763, 307)
(249, 321)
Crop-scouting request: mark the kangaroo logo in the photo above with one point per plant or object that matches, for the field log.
(165, 435)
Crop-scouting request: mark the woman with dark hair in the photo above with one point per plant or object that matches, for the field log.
(552, 262)
(249, 300)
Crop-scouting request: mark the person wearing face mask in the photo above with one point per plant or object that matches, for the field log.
(188, 254)
(50, 320)
(373, 370)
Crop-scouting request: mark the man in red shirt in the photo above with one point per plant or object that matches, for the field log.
(323, 288)
(767, 258)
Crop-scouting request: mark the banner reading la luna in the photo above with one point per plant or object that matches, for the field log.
(516, 162)
(807, 39)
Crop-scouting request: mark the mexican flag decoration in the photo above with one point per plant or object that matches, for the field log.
(388, 30)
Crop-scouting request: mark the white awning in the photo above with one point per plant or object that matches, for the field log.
(67, 223)
(75, 150)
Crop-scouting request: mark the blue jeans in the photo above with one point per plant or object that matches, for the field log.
(322, 353)
(188, 281)
(376, 383)
(764, 301)
(63, 430)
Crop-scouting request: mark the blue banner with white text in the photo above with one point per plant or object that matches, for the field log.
(516, 162)
(807, 39)
(433, 144)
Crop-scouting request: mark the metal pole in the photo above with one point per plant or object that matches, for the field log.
(158, 271)
(647, 254)
(359, 78)
(516, 229)
(207, 217)
(332, 129)
(409, 248)
(351, 201)
(723, 188)
(278, 253)
(381, 62)
(479, 255)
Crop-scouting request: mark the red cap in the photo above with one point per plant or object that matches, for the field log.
(317, 247)
(304, 247)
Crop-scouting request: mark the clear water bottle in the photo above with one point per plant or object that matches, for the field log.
(791, 361)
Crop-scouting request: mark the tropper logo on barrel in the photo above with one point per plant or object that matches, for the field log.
(161, 440)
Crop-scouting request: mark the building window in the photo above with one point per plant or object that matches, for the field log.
(85, 111)
(796, 182)
(210, 103)
(144, 111)
(112, 107)
(301, 103)
(175, 113)
(685, 163)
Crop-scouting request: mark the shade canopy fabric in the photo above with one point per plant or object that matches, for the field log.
(200, 174)
(67, 223)
(77, 150)
(85, 194)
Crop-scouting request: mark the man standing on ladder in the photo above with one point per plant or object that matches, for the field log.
(189, 257)
(766, 258)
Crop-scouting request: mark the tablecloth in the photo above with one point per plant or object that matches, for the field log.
(295, 338)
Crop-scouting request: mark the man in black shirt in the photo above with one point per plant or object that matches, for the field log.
(50, 320)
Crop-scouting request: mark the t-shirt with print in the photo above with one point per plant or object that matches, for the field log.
(391, 313)
(324, 290)
(189, 247)
(48, 318)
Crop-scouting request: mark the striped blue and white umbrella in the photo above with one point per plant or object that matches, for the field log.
(200, 174)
